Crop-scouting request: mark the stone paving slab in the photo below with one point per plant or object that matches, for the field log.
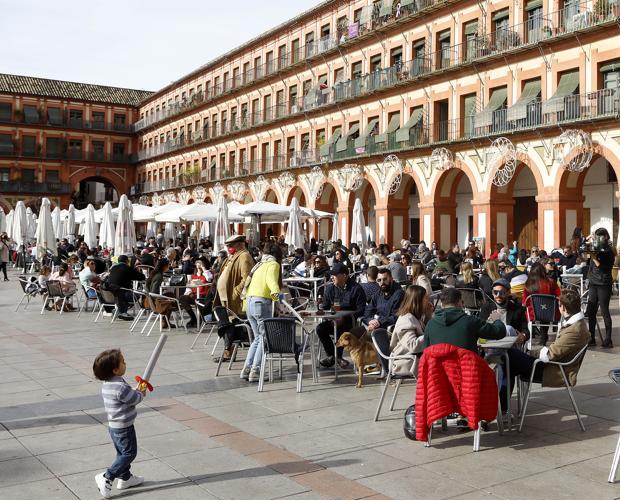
(205, 437)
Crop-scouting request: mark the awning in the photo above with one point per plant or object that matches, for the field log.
(360, 142)
(533, 4)
(497, 100)
(324, 149)
(444, 35)
(568, 84)
(392, 126)
(471, 28)
(386, 8)
(469, 113)
(341, 145)
(213, 163)
(530, 92)
(611, 66)
(402, 134)
(365, 14)
(31, 115)
(500, 15)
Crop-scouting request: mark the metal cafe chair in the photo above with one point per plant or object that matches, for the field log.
(614, 375)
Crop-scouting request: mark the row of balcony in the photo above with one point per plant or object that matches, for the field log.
(568, 110)
(374, 19)
(18, 117)
(271, 164)
(11, 151)
(19, 186)
(474, 50)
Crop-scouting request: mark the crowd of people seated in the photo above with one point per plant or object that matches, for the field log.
(406, 298)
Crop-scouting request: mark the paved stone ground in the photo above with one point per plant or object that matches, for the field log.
(207, 437)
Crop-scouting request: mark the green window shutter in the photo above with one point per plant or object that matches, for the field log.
(568, 85)
(341, 145)
(531, 91)
(611, 66)
(471, 28)
(533, 4)
(497, 101)
(360, 142)
(402, 134)
(500, 15)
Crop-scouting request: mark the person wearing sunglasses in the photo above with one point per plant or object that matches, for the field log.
(505, 309)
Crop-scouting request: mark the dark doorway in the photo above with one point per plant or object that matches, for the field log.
(526, 222)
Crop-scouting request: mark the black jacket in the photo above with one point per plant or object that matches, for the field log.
(384, 306)
(122, 276)
(351, 298)
(515, 314)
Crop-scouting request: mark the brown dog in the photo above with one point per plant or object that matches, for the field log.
(362, 352)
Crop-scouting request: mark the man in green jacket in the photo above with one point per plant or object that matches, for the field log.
(452, 325)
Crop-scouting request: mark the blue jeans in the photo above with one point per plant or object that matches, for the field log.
(259, 309)
(126, 446)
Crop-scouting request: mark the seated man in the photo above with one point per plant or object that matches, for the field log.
(451, 325)
(382, 310)
(506, 309)
(89, 277)
(122, 275)
(371, 287)
(347, 295)
(397, 270)
(571, 338)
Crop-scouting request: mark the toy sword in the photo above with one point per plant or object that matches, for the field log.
(143, 381)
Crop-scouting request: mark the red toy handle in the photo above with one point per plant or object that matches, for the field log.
(141, 381)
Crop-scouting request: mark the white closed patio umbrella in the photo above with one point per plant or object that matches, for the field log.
(151, 229)
(107, 229)
(2, 221)
(335, 228)
(70, 225)
(31, 224)
(20, 224)
(222, 228)
(125, 238)
(358, 226)
(205, 229)
(46, 239)
(9, 224)
(56, 222)
(169, 233)
(294, 232)
(90, 227)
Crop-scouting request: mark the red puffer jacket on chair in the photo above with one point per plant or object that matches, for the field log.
(453, 380)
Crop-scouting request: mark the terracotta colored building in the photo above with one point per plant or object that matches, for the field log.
(448, 120)
(57, 137)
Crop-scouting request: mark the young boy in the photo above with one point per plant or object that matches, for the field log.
(120, 402)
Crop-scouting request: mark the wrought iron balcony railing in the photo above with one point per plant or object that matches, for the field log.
(479, 48)
(18, 186)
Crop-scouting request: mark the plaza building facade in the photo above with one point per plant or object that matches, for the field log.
(448, 119)
(69, 142)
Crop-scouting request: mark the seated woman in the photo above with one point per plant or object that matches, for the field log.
(355, 257)
(408, 334)
(65, 276)
(467, 278)
(418, 277)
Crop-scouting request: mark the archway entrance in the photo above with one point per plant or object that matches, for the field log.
(327, 202)
(516, 217)
(94, 190)
(596, 204)
(405, 211)
(453, 212)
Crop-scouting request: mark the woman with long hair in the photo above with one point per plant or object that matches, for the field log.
(408, 334)
(467, 278)
(601, 261)
(539, 283)
(418, 277)
(261, 290)
(64, 275)
(490, 275)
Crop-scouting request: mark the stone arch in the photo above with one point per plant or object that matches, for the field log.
(6, 204)
(271, 195)
(297, 192)
(101, 175)
(403, 223)
(461, 168)
(600, 151)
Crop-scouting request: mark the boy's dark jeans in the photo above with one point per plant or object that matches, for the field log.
(126, 446)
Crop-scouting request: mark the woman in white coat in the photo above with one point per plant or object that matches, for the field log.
(408, 334)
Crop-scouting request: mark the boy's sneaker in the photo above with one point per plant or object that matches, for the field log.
(245, 373)
(104, 485)
(132, 481)
(254, 375)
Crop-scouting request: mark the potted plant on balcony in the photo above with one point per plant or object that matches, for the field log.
(483, 47)
(547, 32)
